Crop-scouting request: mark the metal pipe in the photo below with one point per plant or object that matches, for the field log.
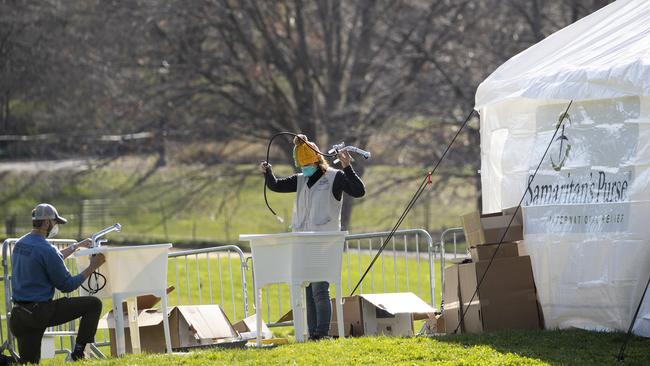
(198, 277)
(99, 234)
(207, 256)
(406, 262)
(442, 256)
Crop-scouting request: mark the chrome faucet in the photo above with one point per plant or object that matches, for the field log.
(97, 243)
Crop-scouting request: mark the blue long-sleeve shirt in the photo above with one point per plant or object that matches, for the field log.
(37, 268)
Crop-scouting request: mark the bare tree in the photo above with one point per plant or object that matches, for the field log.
(335, 70)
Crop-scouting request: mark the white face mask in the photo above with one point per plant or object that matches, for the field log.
(54, 231)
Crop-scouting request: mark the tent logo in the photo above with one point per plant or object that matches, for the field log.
(565, 147)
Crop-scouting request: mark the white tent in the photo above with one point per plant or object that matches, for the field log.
(587, 212)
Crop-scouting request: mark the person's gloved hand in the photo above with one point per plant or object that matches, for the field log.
(344, 158)
(264, 166)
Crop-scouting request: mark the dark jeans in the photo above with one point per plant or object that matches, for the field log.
(28, 322)
(319, 309)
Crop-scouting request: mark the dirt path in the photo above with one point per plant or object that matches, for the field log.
(45, 165)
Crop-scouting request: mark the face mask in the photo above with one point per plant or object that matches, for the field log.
(53, 231)
(308, 171)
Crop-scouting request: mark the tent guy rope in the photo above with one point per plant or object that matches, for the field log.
(409, 206)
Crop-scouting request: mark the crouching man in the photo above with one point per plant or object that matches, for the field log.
(37, 268)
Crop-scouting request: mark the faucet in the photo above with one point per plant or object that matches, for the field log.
(97, 243)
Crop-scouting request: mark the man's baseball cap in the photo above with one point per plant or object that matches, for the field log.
(45, 211)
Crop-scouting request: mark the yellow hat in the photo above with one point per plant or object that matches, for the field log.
(305, 155)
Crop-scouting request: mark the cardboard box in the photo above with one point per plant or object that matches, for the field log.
(489, 229)
(440, 323)
(247, 328)
(507, 298)
(352, 318)
(434, 324)
(451, 300)
(190, 326)
(377, 314)
(147, 301)
(485, 252)
(389, 314)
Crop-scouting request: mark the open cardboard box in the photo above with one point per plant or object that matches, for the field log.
(190, 326)
(381, 314)
(489, 229)
(147, 301)
(247, 328)
(377, 314)
(434, 325)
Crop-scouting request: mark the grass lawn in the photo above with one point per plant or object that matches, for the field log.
(572, 347)
(276, 298)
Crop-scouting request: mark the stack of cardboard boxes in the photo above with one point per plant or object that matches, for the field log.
(506, 298)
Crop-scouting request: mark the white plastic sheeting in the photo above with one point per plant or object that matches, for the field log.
(604, 55)
(587, 212)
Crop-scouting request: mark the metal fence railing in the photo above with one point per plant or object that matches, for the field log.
(200, 276)
(201, 265)
(220, 275)
(454, 236)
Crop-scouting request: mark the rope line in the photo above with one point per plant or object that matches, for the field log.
(412, 202)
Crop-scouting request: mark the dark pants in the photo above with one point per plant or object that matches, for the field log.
(319, 309)
(28, 322)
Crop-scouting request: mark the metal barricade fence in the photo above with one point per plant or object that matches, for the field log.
(220, 275)
(407, 264)
(206, 262)
(455, 233)
(190, 271)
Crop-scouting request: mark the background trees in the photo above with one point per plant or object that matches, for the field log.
(103, 79)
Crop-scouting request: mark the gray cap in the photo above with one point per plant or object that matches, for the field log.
(45, 211)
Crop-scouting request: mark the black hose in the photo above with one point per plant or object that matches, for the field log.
(96, 287)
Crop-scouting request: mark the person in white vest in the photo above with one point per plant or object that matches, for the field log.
(318, 205)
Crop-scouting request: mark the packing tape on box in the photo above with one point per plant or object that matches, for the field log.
(529, 293)
(477, 302)
(452, 305)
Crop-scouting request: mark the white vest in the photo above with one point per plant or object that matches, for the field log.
(316, 209)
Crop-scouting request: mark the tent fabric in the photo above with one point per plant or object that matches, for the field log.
(586, 211)
(604, 55)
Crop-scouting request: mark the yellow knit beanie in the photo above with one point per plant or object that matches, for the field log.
(304, 154)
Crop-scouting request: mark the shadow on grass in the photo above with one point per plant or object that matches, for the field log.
(560, 347)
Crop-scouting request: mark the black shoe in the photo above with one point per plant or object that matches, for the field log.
(318, 337)
(7, 360)
(77, 356)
